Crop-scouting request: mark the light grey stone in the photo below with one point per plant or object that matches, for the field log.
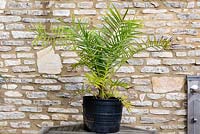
(194, 53)
(61, 12)
(30, 109)
(20, 124)
(48, 62)
(9, 86)
(175, 4)
(45, 81)
(141, 81)
(166, 84)
(47, 102)
(2, 4)
(157, 69)
(155, 96)
(4, 35)
(126, 69)
(85, 12)
(142, 55)
(1, 26)
(22, 49)
(162, 54)
(101, 5)
(69, 54)
(12, 62)
(153, 61)
(178, 61)
(88, 4)
(29, 62)
(23, 35)
(11, 115)
(143, 88)
(63, 110)
(159, 111)
(17, 101)
(65, 5)
(13, 94)
(73, 86)
(63, 117)
(13, 43)
(22, 69)
(152, 120)
(141, 103)
(39, 117)
(154, 11)
(25, 55)
(180, 112)
(19, 5)
(8, 56)
(128, 119)
(71, 79)
(15, 26)
(135, 62)
(181, 54)
(70, 61)
(170, 104)
(50, 87)
(184, 31)
(7, 108)
(9, 19)
(176, 96)
(36, 94)
(5, 48)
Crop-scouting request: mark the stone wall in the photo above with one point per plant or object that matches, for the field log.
(39, 83)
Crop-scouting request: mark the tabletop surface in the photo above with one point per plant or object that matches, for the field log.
(78, 129)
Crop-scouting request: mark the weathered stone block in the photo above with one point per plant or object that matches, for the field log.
(39, 117)
(126, 69)
(170, 104)
(166, 84)
(178, 61)
(176, 96)
(50, 87)
(36, 94)
(8, 19)
(157, 69)
(20, 124)
(23, 35)
(17, 101)
(63, 110)
(63, 117)
(11, 115)
(152, 120)
(12, 62)
(61, 12)
(47, 102)
(128, 119)
(13, 94)
(30, 109)
(48, 62)
(159, 112)
(7, 108)
(85, 4)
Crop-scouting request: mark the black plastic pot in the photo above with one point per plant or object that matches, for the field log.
(102, 116)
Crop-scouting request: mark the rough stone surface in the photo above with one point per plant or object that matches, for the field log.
(39, 88)
(166, 84)
(48, 62)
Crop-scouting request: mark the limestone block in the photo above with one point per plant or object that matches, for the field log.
(2, 4)
(167, 84)
(48, 62)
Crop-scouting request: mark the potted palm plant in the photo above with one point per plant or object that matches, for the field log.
(103, 51)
